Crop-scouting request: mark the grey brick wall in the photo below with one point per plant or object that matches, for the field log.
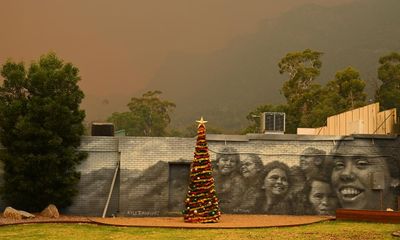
(144, 161)
(143, 188)
(144, 172)
(97, 173)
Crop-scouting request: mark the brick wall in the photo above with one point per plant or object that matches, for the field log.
(143, 187)
(97, 173)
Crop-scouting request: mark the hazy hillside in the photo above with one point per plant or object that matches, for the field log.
(225, 85)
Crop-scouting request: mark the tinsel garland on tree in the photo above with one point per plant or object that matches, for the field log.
(201, 204)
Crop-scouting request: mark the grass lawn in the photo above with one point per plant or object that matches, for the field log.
(325, 230)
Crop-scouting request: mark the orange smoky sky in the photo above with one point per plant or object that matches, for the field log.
(119, 45)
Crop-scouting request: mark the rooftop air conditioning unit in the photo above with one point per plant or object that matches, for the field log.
(273, 122)
(102, 129)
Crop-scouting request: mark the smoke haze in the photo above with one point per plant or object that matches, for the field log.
(125, 47)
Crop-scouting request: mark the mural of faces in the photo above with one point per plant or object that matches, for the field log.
(351, 180)
(276, 182)
(307, 164)
(311, 161)
(227, 164)
(322, 198)
(251, 166)
(229, 183)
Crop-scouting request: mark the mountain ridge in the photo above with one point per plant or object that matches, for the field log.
(227, 84)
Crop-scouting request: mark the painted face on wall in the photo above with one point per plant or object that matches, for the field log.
(308, 164)
(227, 164)
(249, 168)
(276, 182)
(351, 180)
(322, 198)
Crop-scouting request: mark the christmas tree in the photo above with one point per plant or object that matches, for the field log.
(201, 204)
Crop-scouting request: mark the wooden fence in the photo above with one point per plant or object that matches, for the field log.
(364, 120)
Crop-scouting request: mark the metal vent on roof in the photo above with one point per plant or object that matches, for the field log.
(273, 122)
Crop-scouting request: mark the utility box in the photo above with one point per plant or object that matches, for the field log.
(273, 122)
(102, 129)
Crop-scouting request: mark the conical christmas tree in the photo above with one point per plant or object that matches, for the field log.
(201, 204)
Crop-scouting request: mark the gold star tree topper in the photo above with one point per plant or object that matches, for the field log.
(201, 121)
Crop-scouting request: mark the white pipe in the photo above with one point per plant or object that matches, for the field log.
(111, 190)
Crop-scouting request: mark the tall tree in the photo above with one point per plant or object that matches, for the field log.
(302, 68)
(345, 92)
(148, 116)
(388, 94)
(350, 88)
(309, 104)
(300, 89)
(310, 100)
(40, 127)
(124, 121)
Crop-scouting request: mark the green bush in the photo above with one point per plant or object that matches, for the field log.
(41, 128)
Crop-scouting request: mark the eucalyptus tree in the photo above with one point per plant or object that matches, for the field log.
(388, 94)
(148, 115)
